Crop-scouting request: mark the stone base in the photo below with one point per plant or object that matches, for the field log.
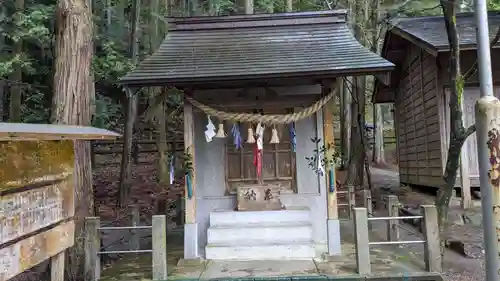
(259, 197)
(191, 241)
(334, 244)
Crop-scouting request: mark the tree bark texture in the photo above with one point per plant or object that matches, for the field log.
(73, 95)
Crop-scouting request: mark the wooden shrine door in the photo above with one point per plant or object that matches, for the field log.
(278, 160)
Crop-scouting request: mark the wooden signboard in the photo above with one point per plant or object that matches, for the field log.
(37, 203)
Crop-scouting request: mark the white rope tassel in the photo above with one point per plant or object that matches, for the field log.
(274, 137)
(210, 131)
(259, 131)
(250, 137)
(220, 133)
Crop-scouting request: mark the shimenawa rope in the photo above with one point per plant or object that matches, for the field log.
(266, 119)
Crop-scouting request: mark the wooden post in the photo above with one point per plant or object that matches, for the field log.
(159, 229)
(135, 152)
(190, 150)
(432, 251)
(329, 144)
(190, 226)
(367, 203)
(351, 197)
(92, 265)
(57, 267)
(362, 243)
(135, 237)
(392, 211)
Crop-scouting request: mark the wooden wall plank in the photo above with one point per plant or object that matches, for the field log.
(29, 162)
(31, 251)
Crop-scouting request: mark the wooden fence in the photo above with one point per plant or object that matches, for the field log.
(149, 146)
(138, 148)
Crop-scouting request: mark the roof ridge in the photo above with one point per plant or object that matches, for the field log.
(257, 20)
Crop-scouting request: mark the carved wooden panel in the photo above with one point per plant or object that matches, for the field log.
(24, 212)
(259, 197)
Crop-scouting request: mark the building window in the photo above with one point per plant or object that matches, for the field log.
(278, 160)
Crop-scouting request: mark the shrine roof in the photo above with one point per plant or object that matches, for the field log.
(206, 50)
(430, 31)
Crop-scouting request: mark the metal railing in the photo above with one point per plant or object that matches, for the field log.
(431, 243)
(351, 200)
(93, 250)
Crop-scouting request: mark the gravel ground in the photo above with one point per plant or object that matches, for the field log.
(456, 266)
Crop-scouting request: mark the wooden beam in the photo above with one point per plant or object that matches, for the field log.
(384, 78)
(190, 207)
(280, 101)
(328, 142)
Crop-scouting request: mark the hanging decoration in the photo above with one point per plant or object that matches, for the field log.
(293, 136)
(172, 169)
(274, 137)
(236, 135)
(331, 182)
(259, 144)
(319, 167)
(210, 131)
(189, 184)
(220, 133)
(250, 136)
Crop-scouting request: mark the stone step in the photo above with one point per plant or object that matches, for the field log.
(274, 251)
(233, 218)
(261, 233)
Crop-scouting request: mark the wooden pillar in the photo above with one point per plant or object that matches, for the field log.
(329, 143)
(190, 226)
(333, 230)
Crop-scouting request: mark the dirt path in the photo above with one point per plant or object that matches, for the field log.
(457, 267)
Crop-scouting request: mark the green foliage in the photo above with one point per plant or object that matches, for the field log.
(106, 112)
(110, 63)
(328, 156)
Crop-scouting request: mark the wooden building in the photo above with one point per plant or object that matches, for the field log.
(419, 89)
(267, 66)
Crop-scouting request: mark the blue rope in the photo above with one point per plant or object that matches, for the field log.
(293, 137)
(189, 185)
(331, 180)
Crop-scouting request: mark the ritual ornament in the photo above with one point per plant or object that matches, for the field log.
(210, 131)
(220, 133)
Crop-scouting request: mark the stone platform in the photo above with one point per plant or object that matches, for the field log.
(388, 263)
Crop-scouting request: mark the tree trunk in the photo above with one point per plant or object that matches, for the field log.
(345, 121)
(378, 135)
(355, 173)
(458, 134)
(73, 95)
(130, 114)
(16, 90)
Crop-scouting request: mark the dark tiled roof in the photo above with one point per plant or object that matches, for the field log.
(256, 47)
(432, 30)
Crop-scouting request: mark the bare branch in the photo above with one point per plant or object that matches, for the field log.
(470, 131)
